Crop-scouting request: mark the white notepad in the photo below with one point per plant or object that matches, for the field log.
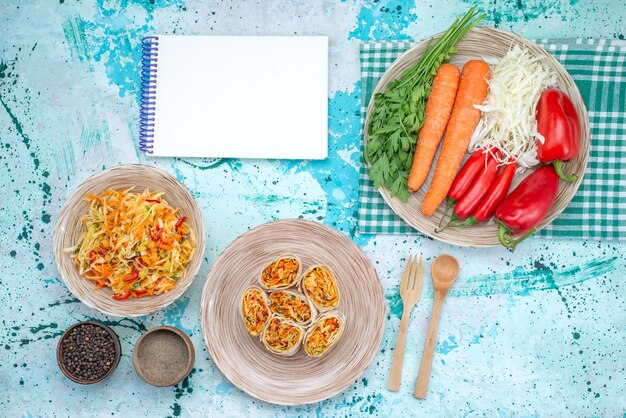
(235, 96)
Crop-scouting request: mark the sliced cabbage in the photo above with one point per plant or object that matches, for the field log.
(508, 121)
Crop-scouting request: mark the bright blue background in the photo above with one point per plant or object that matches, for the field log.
(540, 332)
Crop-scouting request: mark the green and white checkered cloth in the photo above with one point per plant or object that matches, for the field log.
(598, 210)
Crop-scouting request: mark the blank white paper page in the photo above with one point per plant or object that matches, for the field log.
(242, 97)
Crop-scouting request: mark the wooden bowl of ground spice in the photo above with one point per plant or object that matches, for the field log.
(163, 356)
(88, 352)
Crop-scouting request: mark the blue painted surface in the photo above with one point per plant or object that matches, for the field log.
(540, 332)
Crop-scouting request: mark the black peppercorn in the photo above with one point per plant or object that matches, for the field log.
(87, 352)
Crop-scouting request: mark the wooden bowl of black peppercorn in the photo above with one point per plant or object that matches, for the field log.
(88, 352)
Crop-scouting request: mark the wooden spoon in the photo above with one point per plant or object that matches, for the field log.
(444, 270)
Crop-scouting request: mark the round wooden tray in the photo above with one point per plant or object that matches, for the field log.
(299, 379)
(68, 229)
(483, 43)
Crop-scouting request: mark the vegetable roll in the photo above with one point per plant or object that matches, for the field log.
(292, 306)
(319, 284)
(281, 273)
(255, 310)
(282, 337)
(324, 333)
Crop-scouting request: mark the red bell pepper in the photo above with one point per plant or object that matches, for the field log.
(464, 180)
(527, 205)
(469, 192)
(494, 197)
(466, 176)
(558, 123)
(496, 194)
(474, 195)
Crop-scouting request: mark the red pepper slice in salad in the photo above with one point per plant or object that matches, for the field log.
(122, 296)
(139, 292)
(180, 222)
(131, 277)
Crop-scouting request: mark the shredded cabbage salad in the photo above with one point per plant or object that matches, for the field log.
(508, 121)
(134, 243)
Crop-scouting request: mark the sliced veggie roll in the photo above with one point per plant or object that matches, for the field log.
(324, 333)
(293, 306)
(282, 337)
(255, 310)
(281, 273)
(319, 284)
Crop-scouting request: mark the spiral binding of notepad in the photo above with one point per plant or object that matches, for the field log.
(149, 52)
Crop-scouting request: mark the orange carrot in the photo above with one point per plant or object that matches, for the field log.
(438, 109)
(93, 198)
(463, 120)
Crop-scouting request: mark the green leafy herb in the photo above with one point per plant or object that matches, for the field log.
(399, 112)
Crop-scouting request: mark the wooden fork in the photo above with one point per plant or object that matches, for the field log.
(410, 290)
